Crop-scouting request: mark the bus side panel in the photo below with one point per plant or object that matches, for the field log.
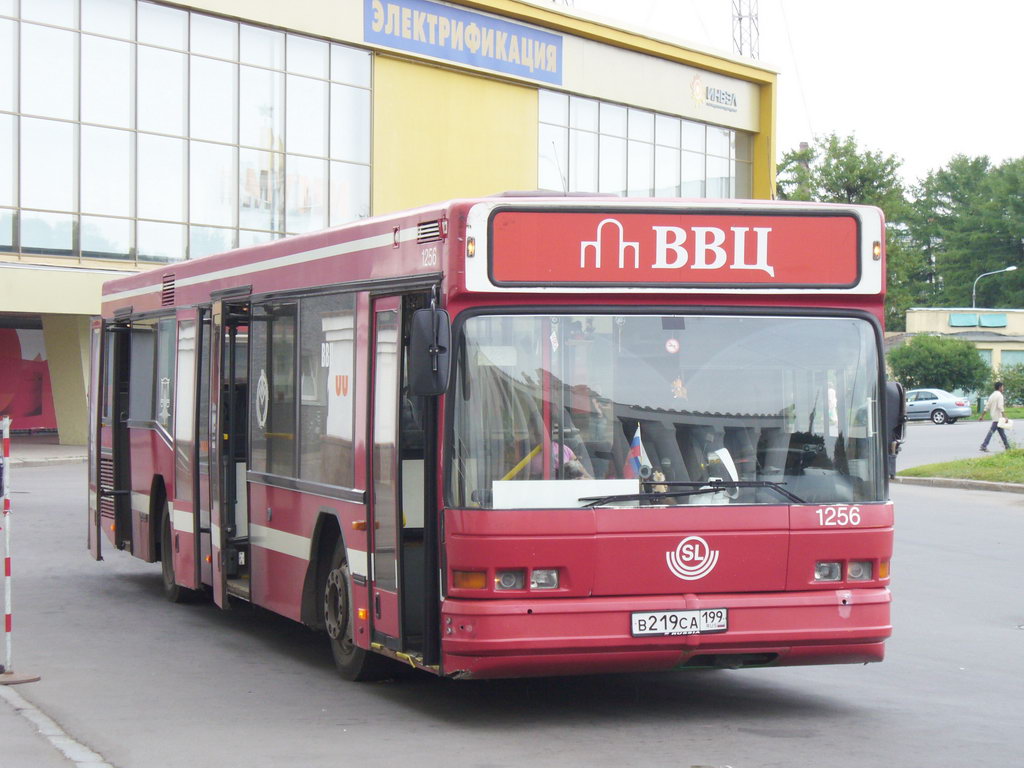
(281, 526)
(183, 544)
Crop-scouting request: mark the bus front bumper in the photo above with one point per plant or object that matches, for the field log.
(569, 636)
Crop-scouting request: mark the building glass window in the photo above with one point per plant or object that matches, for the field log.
(6, 229)
(163, 84)
(114, 18)
(305, 186)
(212, 186)
(262, 47)
(8, 65)
(350, 192)
(161, 167)
(160, 242)
(590, 146)
(261, 119)
(7, 161)
(212, 103)
(58, 12)
(47, 164)
(46, 232)
(106, 81)
(48, 71)
(155, 133)
(106, 238)
(206, 241)
(166, 27)
(306, 125)
(106, 162)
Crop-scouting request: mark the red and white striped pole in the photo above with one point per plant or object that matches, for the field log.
(7, 676)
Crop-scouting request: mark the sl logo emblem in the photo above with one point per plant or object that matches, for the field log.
(693, 559)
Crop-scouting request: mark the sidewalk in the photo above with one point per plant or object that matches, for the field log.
(39, 449)
(29, 738)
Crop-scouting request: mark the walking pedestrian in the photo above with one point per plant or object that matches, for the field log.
(995, 406)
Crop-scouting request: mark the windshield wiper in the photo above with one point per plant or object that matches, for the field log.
(692, 489)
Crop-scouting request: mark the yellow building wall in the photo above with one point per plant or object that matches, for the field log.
(67, 351)
(62, 291)
(440, 134)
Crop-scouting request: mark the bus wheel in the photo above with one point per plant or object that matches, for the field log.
(173, 592)
(353, 662)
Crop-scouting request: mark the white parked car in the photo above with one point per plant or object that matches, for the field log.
(940, 406)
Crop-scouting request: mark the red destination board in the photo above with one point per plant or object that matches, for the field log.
(670, 249)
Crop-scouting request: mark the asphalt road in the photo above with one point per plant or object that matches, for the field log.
(928, 443)
(148, 684)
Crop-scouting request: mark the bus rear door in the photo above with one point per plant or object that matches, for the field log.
(113, 486)
(229, 543)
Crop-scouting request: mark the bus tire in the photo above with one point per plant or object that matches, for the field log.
(172, 591)
(353, 662)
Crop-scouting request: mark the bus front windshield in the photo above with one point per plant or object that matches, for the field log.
(627, 410)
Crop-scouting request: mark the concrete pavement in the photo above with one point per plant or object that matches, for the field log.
(38, 449)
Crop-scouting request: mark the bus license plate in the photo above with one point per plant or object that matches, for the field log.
(698, 622)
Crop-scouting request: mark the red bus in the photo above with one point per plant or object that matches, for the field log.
(517, 435)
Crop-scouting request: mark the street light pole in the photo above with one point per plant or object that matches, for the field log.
(974, 288)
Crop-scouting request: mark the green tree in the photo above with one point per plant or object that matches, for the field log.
(836, 170)
(938, 361)
(1012, 377)
(968, 219)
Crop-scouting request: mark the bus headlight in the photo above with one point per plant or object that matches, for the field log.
(828, 571)
(509, 579)
(859, 570)
(544, 578)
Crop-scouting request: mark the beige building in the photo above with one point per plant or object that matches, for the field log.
(135, 134)
(997, 333)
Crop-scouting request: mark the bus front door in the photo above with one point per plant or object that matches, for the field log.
(403, 607)
(385, 497)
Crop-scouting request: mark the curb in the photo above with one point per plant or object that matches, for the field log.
(967, 485)
(47, 462)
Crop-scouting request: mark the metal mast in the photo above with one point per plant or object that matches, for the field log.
(745, 33)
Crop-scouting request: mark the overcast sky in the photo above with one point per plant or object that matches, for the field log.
(920, 79)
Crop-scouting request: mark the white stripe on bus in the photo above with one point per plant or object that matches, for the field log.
(279, 541)
(140, 503)
(338, 249)
(357, 563)
(183, 521)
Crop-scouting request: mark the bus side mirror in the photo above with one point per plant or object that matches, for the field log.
(895, 422)
(430, 359)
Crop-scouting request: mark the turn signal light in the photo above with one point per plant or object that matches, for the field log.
(883, 569)
(362, 613)
(469, 579)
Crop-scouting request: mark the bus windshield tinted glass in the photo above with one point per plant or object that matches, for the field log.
(556, 410)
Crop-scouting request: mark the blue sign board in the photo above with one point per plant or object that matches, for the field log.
(453, 34)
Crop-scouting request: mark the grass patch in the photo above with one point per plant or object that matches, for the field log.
(1002, 467)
